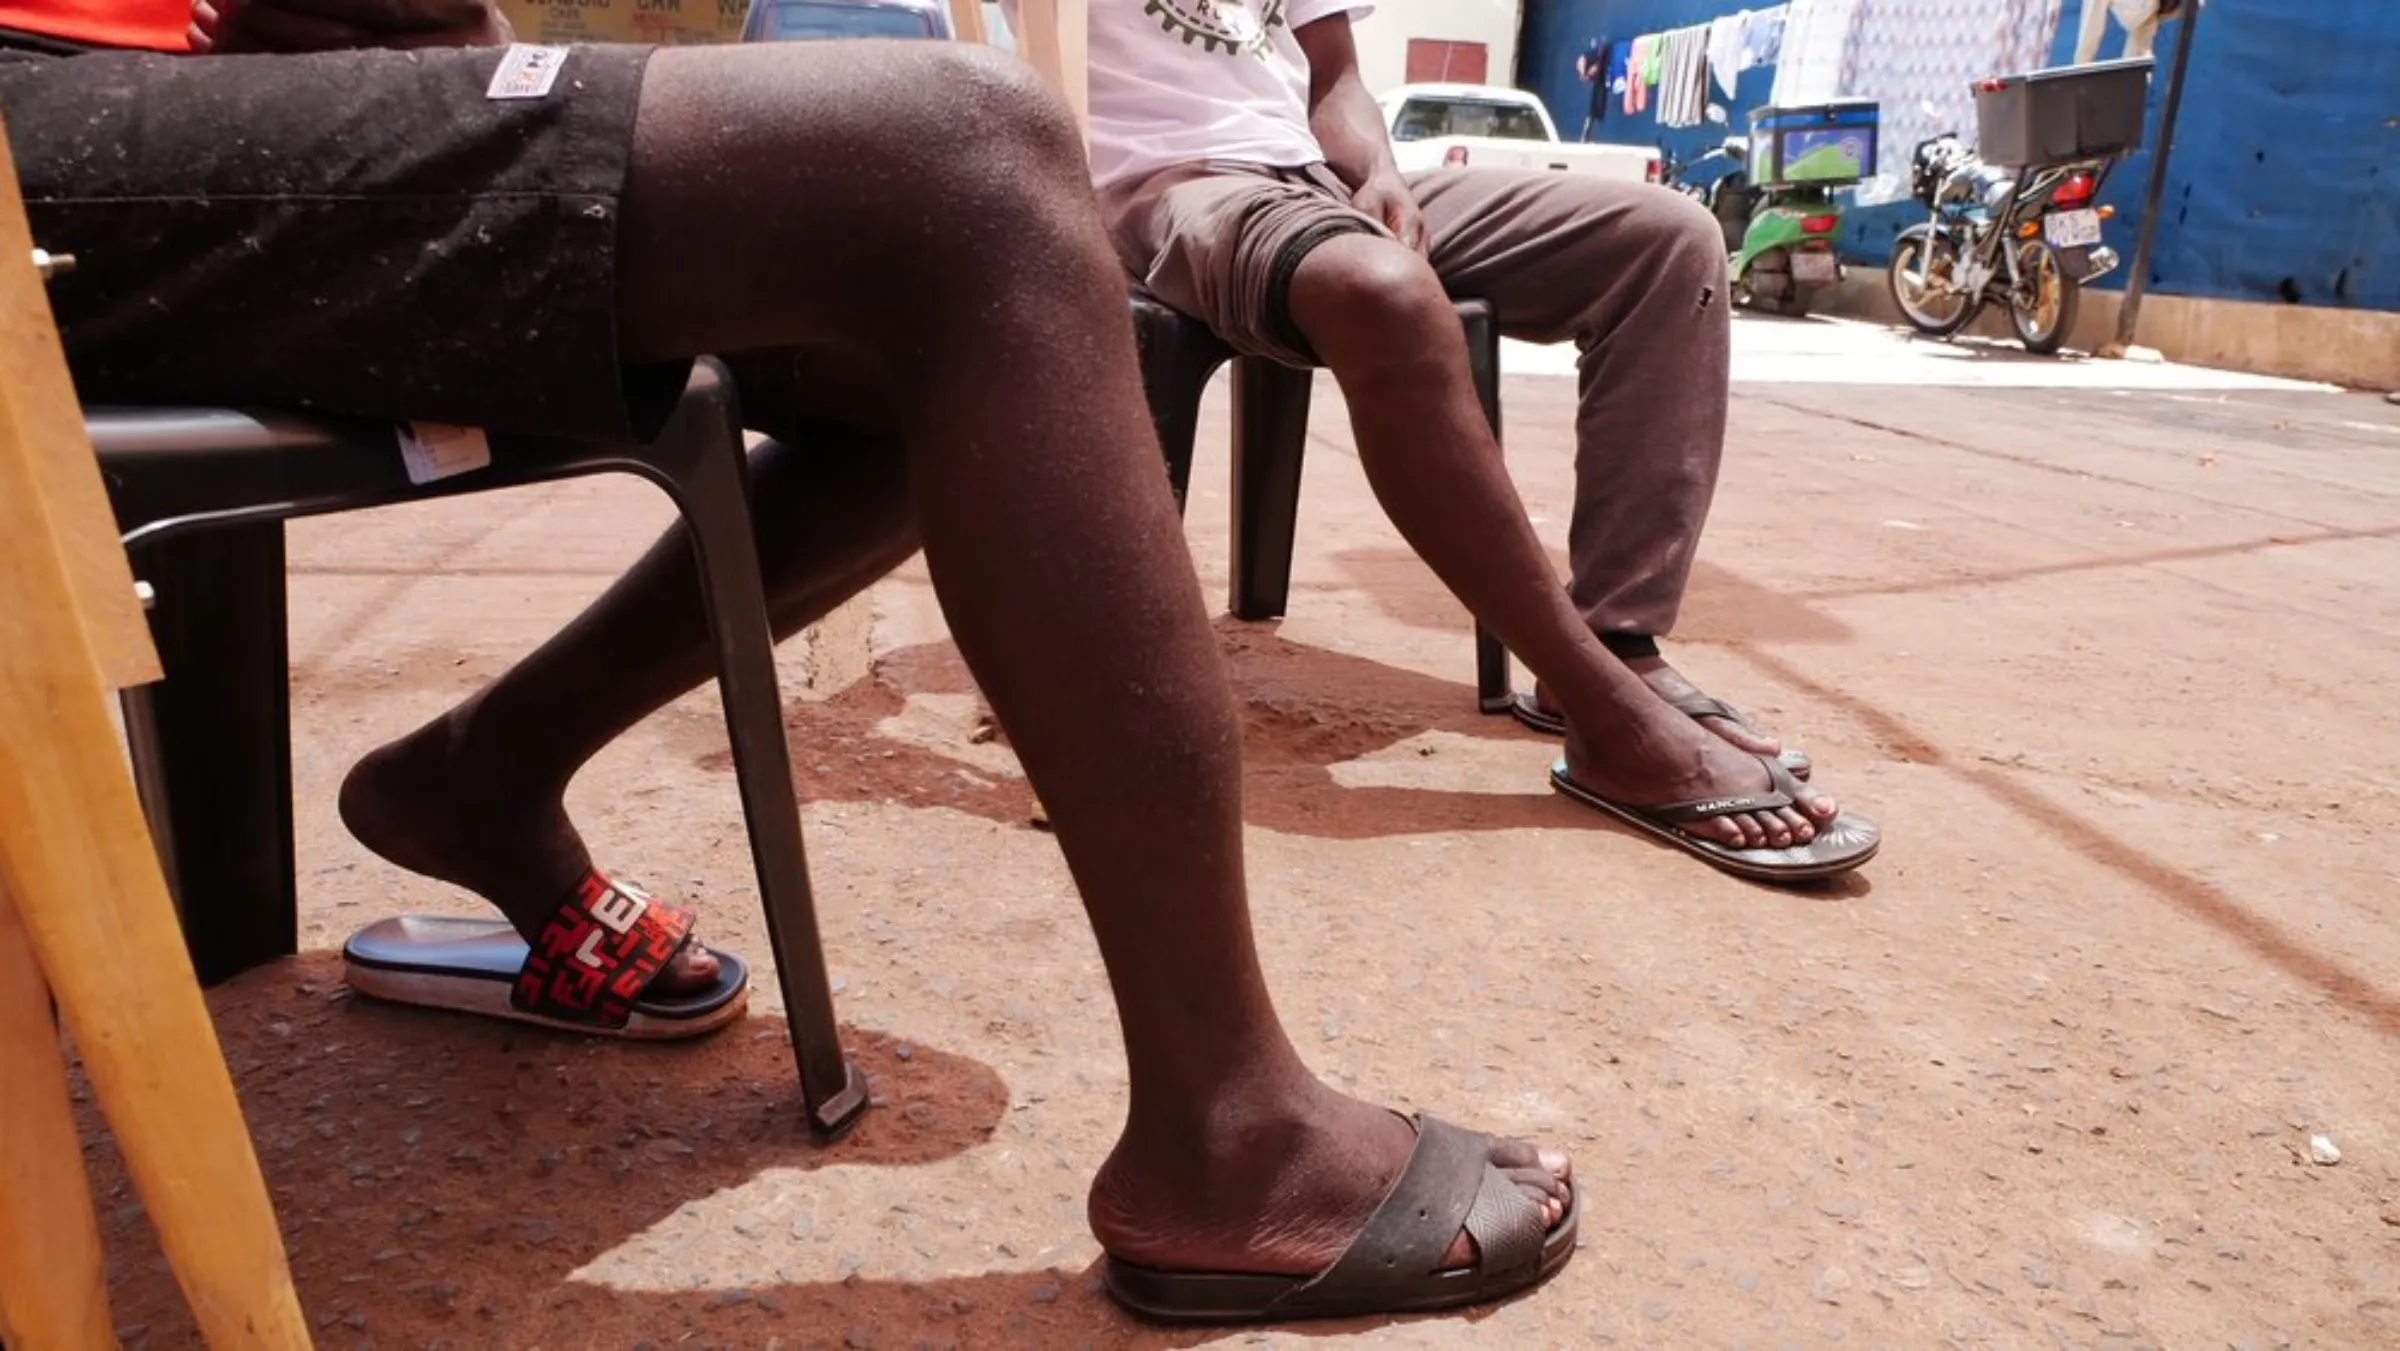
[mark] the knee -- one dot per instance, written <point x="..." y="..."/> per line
<point x="996" y="126"/>
<point x="1683" y="238"/>
<point x="1357" y="292"/>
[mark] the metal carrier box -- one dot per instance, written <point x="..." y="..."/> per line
<point x="2062" y="115"/>
<point x="1818" y="143"/>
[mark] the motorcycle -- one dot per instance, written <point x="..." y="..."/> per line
<point x="2029" y="241"/>
<point x="1779" y="239"/>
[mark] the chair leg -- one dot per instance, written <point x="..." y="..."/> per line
<point x="707" y="471"/>
<point x="1178" y="357"/>
<point x="1270" y="443"/>
<point x="212" y="744"/>
<point x="1494" y="690"/>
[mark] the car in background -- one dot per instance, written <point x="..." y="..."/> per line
<point x="828" y="20"/>
<point x="1451" y="125"/>
<point x="824" y="20"/>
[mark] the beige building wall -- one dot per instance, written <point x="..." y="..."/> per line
<point x="1383" y="38"/>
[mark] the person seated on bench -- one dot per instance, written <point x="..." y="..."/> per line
<point x="1248" y="181"/>
<point x="936" y="339"/>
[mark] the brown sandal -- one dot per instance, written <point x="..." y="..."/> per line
<point x="1450" y="1184"/>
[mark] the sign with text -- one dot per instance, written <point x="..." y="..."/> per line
<point x="667" y="23"/>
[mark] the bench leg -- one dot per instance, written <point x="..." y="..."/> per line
<point x="212" y="743"/>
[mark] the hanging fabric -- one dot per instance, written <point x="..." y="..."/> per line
<point x="1725" y="49"/>
<point x="1683" y="78"/>
<point x="1920" y="60"/>
<point x="1637" y="72"/>
<point x="2139" y="19"/>
<point x="1816" y="35"/>
<point x="1762" y="36"/>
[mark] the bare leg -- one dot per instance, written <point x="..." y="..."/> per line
<point x="1431" y="459"/>
<point x="847" y="212"/>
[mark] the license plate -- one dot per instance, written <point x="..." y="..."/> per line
<point x="1814" y="266"/>
<point x="2072" y="229"/>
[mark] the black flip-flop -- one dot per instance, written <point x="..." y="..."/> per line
<point x="591" y="973"/>
<point x="1528" y="710"/>
<point x="1840" y="845"/>
<point x="1393" y="1265"/>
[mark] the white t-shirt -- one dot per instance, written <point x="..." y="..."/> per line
<point x="1179" y="81"/>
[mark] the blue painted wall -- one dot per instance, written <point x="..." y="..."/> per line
<point x="2285" y="179"/>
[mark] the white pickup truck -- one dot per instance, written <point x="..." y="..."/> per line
<point x="1433" y="125"/>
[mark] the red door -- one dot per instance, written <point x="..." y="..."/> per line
<point x="1432" y="61"/>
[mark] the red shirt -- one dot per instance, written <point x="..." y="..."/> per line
<point x="157" y="25"/>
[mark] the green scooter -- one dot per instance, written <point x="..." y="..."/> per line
<point x="1776" y="200"/>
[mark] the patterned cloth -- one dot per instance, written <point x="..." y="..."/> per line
<point x="1683" y="81"/>
<point x="1816" y="36"/>
<point x="1920" y="59"/>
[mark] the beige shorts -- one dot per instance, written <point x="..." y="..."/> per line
<point x="1220" y="241"/>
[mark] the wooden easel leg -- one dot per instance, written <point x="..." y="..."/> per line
<point x="88" y="890"/>
<point x="53" y="1289"/>
<point x="73" y="851"/>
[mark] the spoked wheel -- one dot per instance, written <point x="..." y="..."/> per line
<point x="2043" y="306"/>
<point x="1923" y="278"/>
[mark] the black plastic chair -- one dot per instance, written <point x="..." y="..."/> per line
<point x="1270" y="440"/>
<point x="201" y="496"/>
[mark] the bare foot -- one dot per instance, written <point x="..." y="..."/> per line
<point x="1670" y="684"/>
<point x="1279" y="1188"/>
<point x="430" y="805"/>
<point x="1654" y="756"/>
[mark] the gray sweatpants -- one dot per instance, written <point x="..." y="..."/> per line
<point x="1633" y="274"/>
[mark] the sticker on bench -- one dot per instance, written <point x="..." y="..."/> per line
<point x="526" y="72"/>
<point x="437" y="450"/>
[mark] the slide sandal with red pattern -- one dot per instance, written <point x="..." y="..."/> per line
<point x="591" y="972"/>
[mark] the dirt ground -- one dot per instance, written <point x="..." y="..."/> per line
<point x="2107" y="651"/>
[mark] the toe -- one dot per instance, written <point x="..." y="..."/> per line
<point x="695" y="968"/>
<point x="1796" y="828"/>
<point x="1545" y="1176"/>
<point x="1817" y="806"/>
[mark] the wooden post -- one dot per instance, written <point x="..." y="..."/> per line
<point x="1055" y="37"/>
<point x="76" y="857"/>
<point x="966" y="21"/>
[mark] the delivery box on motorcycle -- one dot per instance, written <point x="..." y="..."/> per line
<point x="2062" y="115"/>
<point x="1826" y="144"/>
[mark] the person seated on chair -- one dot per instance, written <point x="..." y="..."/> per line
<point x="1248" y="181"/>
<point x="500" y="238"/>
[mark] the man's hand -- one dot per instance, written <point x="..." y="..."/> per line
<point x="1386" y="197"/>
<point x="342" y="25"/>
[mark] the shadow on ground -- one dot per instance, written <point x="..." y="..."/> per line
<point x="1304" y="710"/>
<point x="440" y="1179"/>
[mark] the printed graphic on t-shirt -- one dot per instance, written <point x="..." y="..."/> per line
<point x="1228" y="26"/>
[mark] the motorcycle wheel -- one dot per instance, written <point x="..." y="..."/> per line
<point x="1932" y="313"/>
<point x="2043" y="309"/>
